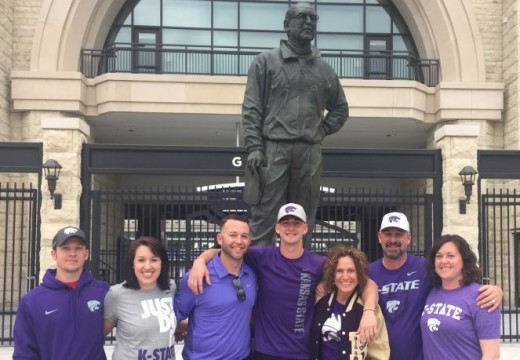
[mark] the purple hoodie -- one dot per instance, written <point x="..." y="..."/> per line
<point x="55" y="321"/>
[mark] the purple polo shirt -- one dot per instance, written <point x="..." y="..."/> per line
<point x="219" y="323"/>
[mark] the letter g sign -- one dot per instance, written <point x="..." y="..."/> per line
<point x="237" y="161"/>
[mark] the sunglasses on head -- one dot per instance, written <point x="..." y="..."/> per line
<point x="241" y="293"/>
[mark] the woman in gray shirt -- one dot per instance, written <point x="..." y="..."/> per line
<point x="141" y="307"/>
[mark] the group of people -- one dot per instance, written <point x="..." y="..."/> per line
<point x="259" y="302"/>
<point x="68" y="315"/>
<point x="428" y="308"/>
<point x="271" y="302"/>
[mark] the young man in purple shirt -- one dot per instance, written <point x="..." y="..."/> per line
<point x="404" y="285"/>
<point x="287" y="281"/>
<point x="219" y="319"/>
<point x="62" y="318"/>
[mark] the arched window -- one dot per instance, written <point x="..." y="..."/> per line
<point x="359" y="38"/>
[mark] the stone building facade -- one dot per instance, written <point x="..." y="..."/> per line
<point x="45" y="98"/>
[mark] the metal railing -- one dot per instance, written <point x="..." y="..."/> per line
<point x="186" y="221"/>
<point x="19" y="250"/>
<point x="180" y="59"/>
<point x="499" y="250"/>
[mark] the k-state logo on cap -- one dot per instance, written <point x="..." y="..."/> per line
<point x="290" y="209"/>
<point x="69" y="231"/>
<point x="394" y="219"/>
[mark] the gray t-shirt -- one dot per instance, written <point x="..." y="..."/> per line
<point x="145" y="322"/>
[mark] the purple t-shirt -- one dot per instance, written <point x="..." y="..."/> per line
<point x="402" y="295"/>
<point x="452" y="324"/>
<point x="285" y="300"/>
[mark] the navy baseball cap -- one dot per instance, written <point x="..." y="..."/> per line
<point x="66" y="233"/>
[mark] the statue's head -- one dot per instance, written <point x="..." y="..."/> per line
<point x="300" y="23"/>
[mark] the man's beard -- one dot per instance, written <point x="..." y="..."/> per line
<point x="394" y="254"/>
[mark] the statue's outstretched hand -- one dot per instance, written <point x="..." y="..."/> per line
<point x="255" y="159"/>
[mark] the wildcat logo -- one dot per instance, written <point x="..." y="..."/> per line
<point x="433" y="325"/>
<point x="290" y="209"/>
<point x="331" y="327"/>
<point x="394" y="219"/>
<point x="93" y="305"/>
<point x="70" y="230"/>
<point x="392" y="305"/>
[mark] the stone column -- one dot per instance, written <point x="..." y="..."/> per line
<point x="458" y="144"/>
<point x="63" y="138"/>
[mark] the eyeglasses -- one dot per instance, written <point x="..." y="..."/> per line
<point x="241" y="294"/>
<point x="303" y="17"/>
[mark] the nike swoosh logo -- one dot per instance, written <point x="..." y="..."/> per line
<point x="410" y="273"/>
<point x="47" y="312"/>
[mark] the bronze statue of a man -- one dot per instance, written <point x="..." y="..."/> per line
<point x="288" y="90"/>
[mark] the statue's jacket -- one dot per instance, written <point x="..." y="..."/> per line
<point x="286" y="98"/>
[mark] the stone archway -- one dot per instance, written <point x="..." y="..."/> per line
<point x="446" y="30"/>
<point x="442" y="29"/>
<point x="67" y="26"/>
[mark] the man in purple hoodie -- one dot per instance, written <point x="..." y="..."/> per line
<point x="62" y="318"/>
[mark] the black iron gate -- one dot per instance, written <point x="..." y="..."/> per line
<point x="19" y="228"/>
<point x="18" y="250"/>
<point x="499" y="231"/>
<point x="187" y="221"/>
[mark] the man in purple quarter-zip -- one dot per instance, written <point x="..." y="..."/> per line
<point x="293" y="100"/>
<point x="404" y="284"/>
<point x="62" y="318"/>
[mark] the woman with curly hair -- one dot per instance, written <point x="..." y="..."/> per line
<point x="453" y="326"/>
<point x="337" y="314"/>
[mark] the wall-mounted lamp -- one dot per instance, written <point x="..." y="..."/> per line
<point x="52" y="173"/>
<point x="467" y="176"/>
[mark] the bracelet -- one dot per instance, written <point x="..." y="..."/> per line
<point x="369" y="310"/>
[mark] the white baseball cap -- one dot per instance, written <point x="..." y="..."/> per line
<point x="292" y="209"/>
<point x="396" y="220"/>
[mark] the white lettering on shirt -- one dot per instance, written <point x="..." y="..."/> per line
<point x="301" y="305"/>
<point x="161" y="309"/>
<point x="443" y="309"/>
<point x="400" y="286"/>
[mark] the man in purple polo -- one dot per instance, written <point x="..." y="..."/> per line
<point x="404" y="285"/>
<point x="219" y="319"/>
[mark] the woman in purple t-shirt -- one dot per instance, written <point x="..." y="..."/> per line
<point x="452" y="325"/>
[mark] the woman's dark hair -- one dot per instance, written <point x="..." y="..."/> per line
<point x="470" y="271"/>
<point x="360" y="262"/>
<point x="157" y="249"/>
